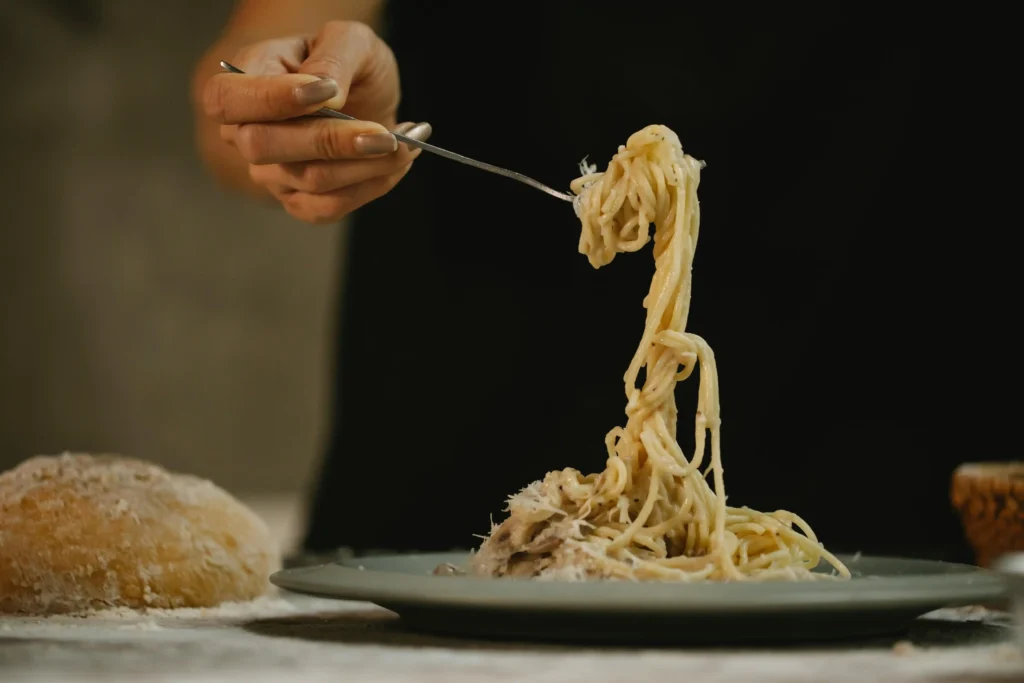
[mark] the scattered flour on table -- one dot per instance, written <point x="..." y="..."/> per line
<point x="151" y="619"/>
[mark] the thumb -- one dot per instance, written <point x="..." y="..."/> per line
<point x="345" y="52"/>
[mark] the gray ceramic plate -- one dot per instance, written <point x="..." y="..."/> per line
<point x="884" y="597"/>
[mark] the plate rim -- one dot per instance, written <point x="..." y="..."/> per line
<point x="344" y="580"/>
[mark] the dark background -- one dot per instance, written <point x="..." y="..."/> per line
<point x="854" y="275"/>
<point x="845" y="276"/>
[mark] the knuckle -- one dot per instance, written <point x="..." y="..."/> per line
<point x="325" y="64"/>
<point x="334" y="209"/>
<point x="318" y="212"/>
<point x="317" y="178"/>
<point x="295" y="210"/>
<point x="260" y="175"/>
<point x="252" y="58"/>
<point x="356" y="29"/>
<point x="394" y="179"/>
<point x="331" y="209"/>
<point x="381" y="187"/>
<point x="326" y="218"/>
<point x="214" y="98"/>
<point x="388" y="183"/>
<point x="331" y="142"/>
<point x="270" y="101"/>
<point x="251" y="140"/>
<point x="362" y="31"/>
<point x="336" y="26"/>
<point x="293" y="205"/>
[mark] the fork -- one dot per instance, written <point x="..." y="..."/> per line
<point x="412" y="142"/>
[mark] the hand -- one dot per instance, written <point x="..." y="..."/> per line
<point x="320" y="169"/>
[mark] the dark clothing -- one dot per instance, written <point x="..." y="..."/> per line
<point x="478" y="349"/>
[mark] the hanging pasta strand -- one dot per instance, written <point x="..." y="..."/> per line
<point x="651" y="514"/>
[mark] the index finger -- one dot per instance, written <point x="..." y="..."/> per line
<point x="231" y="98"/>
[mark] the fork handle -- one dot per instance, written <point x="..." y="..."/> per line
<point x="412" y="142"/>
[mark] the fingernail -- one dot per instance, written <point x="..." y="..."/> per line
<point x="421" y="132"/>
<point x="375" y="143"/>
<point x="404" y="128"/>
<point x="317" y="91"/>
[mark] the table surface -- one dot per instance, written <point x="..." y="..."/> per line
<point x="290" y="637"/>
<point x="287" y="637"/>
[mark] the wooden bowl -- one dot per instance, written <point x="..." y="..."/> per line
<point x="990" y="499"/>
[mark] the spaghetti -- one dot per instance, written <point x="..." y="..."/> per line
<point x="651" y="514"/>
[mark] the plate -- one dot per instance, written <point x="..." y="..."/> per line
<point x="1011" y="567"/>
<point x="884" y="597"/>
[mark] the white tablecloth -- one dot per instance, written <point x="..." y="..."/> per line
<point x="297" y="638"/>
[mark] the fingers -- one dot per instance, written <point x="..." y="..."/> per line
<point x="362" y="64"/>
<point x="272" y="57"/>
<point x="319" y="168"/>
<point x="312" y="139"/>
<point x="344" y="57"/>
<point x="332" y="206"/>
<point x="324" y="207"/>
<point x="231" y="98"/>
<point x="319" y="177"/>
<point x="404" y="128"/>
<point x="343" y="51"/>
<point x="417" y="131"/>
<point x="327" y="176"/>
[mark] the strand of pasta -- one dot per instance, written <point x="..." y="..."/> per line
<point x="652" y="513"/>
<point x="651" y="182"/>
